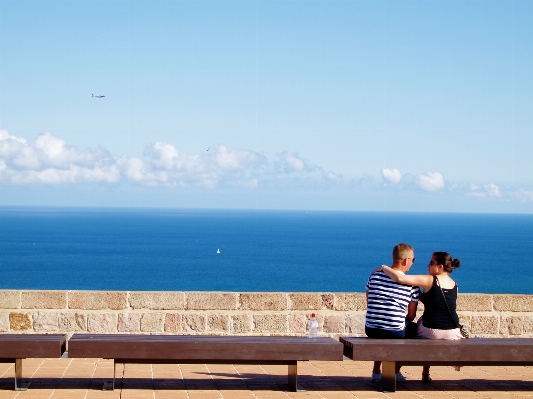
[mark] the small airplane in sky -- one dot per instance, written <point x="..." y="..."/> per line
<point x="98" y="95"/>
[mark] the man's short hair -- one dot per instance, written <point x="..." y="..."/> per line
<point x="400" y="252"/>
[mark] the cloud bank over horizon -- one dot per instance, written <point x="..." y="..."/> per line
<point x="49" y="160"/>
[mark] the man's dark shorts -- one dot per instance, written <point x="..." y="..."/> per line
<point x="384" y="334"/>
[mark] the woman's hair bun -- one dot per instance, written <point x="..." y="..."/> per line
<point x="456" y="263"/>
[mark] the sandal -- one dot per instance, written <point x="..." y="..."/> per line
<point x="426" y="378"/>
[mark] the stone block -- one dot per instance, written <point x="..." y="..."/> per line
<point x="212" y="300"/>
<point x="263" y="301"/>
<point x="20" y="321"/>
<point x="485" y="325"/>
<point x="355" y="324"/>
<point x="97" y="300"/>
<point x="528" y="324"/>
<point x="43" y="299"/>
<point x="4" y="322"/>
<point x="241" y="324"/>
<point x="355" y="301"/>
<point x="194" y="323"/>
<point x="129" y="322"/>
<point x="153" y="322"/>
<point x="474" y="302"/>
<point x="465" y="320"/>
<point x="218" y="322"/>
<point x="305" y="301"/>
<point x="9" y="299"/>
<point x="328" y="301"/>
<point x="173" y="322"/>
<point x="512" y="325"/>
<point x="513" y="303"/>
<point x="270" y="323"/>
<point x="157" y="300"/>
<point x="334" y="324"/>
<point x="72" y="322"/>
<point x="46" y="321"/>
<point x="102" y="322"/>
<point x="297" y="324"/>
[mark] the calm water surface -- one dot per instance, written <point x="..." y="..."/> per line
<point x="163" y="249"/>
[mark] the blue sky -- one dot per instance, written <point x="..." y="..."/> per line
<point x="341" y="105"/>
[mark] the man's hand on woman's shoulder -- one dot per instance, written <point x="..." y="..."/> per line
<point x="379" y="269"/>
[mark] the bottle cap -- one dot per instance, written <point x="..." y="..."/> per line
<point x="312" y="315"/>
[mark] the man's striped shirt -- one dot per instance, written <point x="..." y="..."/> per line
<point x="388" y="301"/>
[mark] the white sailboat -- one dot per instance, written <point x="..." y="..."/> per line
<point x="218" y="251"/>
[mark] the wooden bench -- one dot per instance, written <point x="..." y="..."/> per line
<point x="420" y="352"/>
<point x="15" y="347"/>
<point x="201" y="349"/>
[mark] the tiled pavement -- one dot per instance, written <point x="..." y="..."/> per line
<point x="84" y="379"/>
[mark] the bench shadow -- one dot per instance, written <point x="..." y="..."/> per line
<point x="262" y="382"/>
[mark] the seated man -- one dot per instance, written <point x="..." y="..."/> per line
<point x="387" y="302"/>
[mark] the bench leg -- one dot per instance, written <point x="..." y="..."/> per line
<point x="110" y="385"/>
<point x="293" y="377"/>
<point x="19" y="385"/>
<point x="388" y="376"/>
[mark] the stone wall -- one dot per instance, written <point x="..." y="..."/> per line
<point x="246" y="313"/>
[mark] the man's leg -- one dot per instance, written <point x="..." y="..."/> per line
<point x="377" y="368"/>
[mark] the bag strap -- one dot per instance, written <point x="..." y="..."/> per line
<point x="445" y="302"/>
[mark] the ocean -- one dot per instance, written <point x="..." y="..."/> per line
<point x="290" y="251"/>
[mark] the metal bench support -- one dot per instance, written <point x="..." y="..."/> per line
<point x="19" y="385"/>
<point x="388" y="376"/>
<point x="293" y="378"/>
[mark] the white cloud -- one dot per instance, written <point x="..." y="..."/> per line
<point x="4" y="135"/>
<point x="523" y="195"/>
<point x="333" y="177"/>
<point x="392" y="176"/>
<point x="291" y="162"/>
<point x="294" y="169"/>
<point x="235" y="160"/>
<point x="51" y="146"/>
<point x="49" y="160"/>
<point x="430" y="181"/>
<point x="488" y="190"/>
<point x="493" y="190"/>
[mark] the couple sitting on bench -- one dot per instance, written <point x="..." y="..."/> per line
<point x="391" y="293"/>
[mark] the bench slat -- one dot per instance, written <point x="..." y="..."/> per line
<point x="425" y="352"/>
<point x="208" y="349"/>
<point x="203" y="348"/>
<point x="23" y="346"/>
<point x="473" y="351"/>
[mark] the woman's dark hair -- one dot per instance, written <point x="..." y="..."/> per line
<point x="445" y="259"/>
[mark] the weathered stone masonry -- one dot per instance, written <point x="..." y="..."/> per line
<point x="248" y="313"/>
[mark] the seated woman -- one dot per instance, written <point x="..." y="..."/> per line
<point x="440" y="319"/>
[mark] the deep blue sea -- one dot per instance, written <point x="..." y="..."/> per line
<point x="176" y="250"/>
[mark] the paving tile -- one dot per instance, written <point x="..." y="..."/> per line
<point x="84" y="379"/>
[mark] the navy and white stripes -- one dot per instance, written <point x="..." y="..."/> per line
<point x="388" y="301"/>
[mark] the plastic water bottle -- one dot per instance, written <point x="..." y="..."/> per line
<point x="313" y="327"/>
